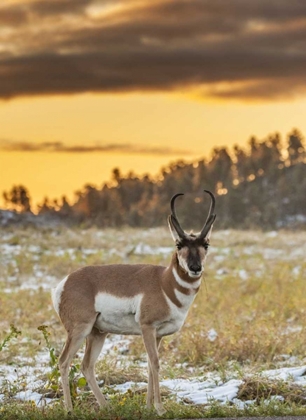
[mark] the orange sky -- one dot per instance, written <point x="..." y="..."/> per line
<point x="137" y="84"/>
<point x="187" y="128"/>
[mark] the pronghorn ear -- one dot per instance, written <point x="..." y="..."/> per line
<point x="172" y="230"/>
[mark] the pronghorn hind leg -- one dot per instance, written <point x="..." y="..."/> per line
<point x="75" y="338"/>
<point x="149" y="338"/>
<point x="150" y="394"/>
<point x="94" y="344"/>
<point x="72" y="345"/>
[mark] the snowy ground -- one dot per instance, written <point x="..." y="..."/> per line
<point x="197" y="390"/>
<point x="29" y="378"/>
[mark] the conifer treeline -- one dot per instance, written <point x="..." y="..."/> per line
<point x="263" y="185"/>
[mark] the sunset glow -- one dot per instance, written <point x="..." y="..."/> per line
<point x="86" y="86"/>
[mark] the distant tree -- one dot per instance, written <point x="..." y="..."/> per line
<point x="296" y="149"/>
<point x="90" y="200"/>
<point x="45" y="206"/>
<point x="254" y="159"/>
<point x="116" y="175"/>
<point x="177" y="176"/>
<point x="254" y="187"/>
<point x="275" y="155"/>
<point x="200" y="177"/>
<point x="220" y="167"/>
<point x="65" y="208"/>
<point x="18" y="198"/>
<point x="242" y="163"/>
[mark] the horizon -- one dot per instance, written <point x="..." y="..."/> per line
<point x="126" y="168"/>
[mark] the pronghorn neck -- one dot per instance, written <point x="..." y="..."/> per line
<point x="178" y="286"/>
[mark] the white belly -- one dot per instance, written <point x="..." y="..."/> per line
<point x="121" y="315"/>
<point x="118" y="315"/>
<point x="169" y="327"/>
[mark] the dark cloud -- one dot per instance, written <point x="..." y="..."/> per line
<point x="26" y="146"/>
<point x="13" y="17"/>
<point x="58" y="7"/>
<point x="232" y="49"/>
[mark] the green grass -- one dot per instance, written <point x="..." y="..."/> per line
<point x="131" y="407"/>
<point x="254" y="297"/>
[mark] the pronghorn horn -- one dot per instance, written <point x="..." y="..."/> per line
<point x="174" y="219"/>
<point x="211" y="216"/>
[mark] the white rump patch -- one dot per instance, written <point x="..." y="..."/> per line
<point x="57" y="293"/>
<point x="184" y="283"/>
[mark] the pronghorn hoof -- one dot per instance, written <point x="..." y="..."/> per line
<point x="103" y="404"/>
<point x="160" y="409"/>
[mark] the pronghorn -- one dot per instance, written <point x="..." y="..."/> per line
<point x="138" y="299"/>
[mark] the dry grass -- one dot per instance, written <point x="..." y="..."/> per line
<point x="260" y="389"/>
<point x="254" y="297"/>
<point x="254" y="294"/>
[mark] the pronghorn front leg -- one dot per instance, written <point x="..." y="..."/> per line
<point x="150" y="393"/>
<point x="150" y="342"/>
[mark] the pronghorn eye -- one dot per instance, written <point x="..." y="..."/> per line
<point x="178" y="245"/>
<point x="206" y="245"/>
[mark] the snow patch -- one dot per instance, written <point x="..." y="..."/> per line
<point x="212" y="334"/>
<point x="143" y="249"/>
<point x="285" y="374"/>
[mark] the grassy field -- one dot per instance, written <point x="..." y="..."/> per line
<point x="248" y="319"/>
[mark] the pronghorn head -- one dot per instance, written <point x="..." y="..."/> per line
<point x="192" y="248"/>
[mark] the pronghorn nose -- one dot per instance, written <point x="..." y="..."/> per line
<point x="195" y="268"/>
